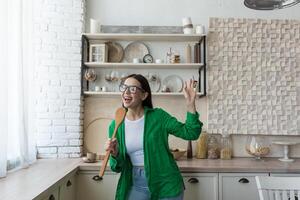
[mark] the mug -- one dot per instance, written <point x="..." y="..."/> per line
<point x="199" y="29"/>
<point x="136" y="60"/>
<point x="91" y="156"/>
<point x="159" y="61"/>
<point x="103" y="89"/>
<point x="97" y="88"/>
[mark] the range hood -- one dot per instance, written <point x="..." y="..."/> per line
<point x="269" y="4"/>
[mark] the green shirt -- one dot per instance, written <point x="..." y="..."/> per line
<point x="163" y="175"/>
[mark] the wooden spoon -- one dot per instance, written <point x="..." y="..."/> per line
<point x="119" y="117"/>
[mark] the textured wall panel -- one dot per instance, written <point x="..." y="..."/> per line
<point x="254" y="76"/>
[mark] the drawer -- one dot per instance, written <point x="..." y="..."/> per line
<point x="200" y="186"/>
<point x="235" y="186"/>
<point x="90" y="189"/>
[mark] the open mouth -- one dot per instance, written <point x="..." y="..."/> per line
<point x="127" y="99"/>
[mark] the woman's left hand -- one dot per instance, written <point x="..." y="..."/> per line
<point x="190" y="95"/>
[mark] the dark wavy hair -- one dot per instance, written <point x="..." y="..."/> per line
<point x="145" y="85"/>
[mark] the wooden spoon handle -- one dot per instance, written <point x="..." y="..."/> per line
<point x="105" y="160"/>
<point x="104" y="164"/>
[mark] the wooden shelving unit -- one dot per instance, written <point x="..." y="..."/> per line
<point x="105" y="37"/>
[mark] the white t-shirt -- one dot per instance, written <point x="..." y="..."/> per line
<point x="134" y="133"/>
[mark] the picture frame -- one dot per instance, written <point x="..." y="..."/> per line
<point x="98" y="53"/>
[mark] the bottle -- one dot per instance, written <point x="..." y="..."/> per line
<point x="212" y="148"/>
<point x="202" y="146"/>
<point x="169" y="56"/>
<point x="189" y="150"/>
<point x="188" y="54"/>
<point x="226" y="147"/>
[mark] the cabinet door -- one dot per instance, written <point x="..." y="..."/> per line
<point x="67" y="189"/>
<point x="200" y="186"/>
<point x="53" y="195"/>
<point x="235" y="186"/>
<point x="88" y="188"/>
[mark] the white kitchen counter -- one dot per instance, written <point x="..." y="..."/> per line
<point x="31" y="182"/>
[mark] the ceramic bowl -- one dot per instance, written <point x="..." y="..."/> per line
<point x="177" y="153"/>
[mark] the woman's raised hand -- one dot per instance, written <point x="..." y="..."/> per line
<point x="112" y="146"/>
<point x="190" y="95"/>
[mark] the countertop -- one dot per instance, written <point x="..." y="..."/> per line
<point x="233" y="165"/>
<point x="31" y="182"/>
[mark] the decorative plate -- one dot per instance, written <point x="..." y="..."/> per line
<point x="135" y="50"/>
<point x="115" y="52"/>
<point x="95" y="135"/>
<point x="172" y="83"/>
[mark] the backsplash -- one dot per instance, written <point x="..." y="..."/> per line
<point x="254" y="76"/>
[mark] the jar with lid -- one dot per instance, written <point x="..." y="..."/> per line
<point x="212" y="148"/>
<point x="201" y="152"/>
<point x="226" y="147"/>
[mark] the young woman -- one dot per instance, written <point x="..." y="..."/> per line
<point x="141" y="151"/>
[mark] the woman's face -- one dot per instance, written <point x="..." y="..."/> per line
<point x="134" y="95"/>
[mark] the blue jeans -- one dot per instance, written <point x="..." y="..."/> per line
<point x="140" y="190"/>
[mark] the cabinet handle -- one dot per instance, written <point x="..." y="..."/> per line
<point x="97" y="178"/>
<point x="69" y="183"/>
<point x="52" y="197"/>
<point x="193" y="180"/>
<point x="244" y="180"/>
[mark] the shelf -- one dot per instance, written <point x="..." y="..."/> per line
<point x="111" y="94"/>
<point x="145" y="37"/>
<point x="145" y="65"/>
<point x="171" y="38"/>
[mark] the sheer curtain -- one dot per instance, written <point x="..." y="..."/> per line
<point x="17" y="146"/>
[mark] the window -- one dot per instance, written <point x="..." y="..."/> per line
<point x="17" y="147"/>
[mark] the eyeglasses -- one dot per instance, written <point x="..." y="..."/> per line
<point x="132" y="88"/>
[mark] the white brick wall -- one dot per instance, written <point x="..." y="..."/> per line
<point x="58" y="28"/>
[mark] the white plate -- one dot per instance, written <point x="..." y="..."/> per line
<point x="135" y="50"/>
<point x="173" y="82"/>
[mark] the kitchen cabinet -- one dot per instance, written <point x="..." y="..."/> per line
<point x="64" y="189"/>
<point x="200" y="186"/>
<point x="68" y="189"/>
<point x="51" y="194"/>
<point x="200" y="68"/>
<point x="92" y="189"/>
<point x="234" y="186"/>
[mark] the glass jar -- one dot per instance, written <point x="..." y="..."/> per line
<point x="212" y="148"/>
<point x="257" y="146"/>
<point x="226" y="147"/>
<point x="201" y="152"/>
